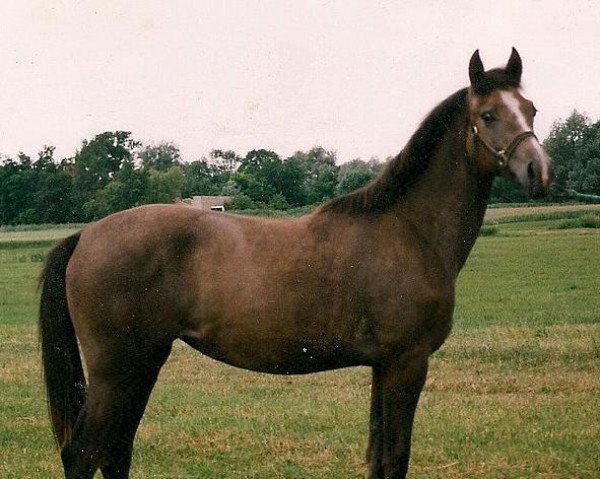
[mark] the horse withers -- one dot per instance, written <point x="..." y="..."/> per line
<point x="367" y="279"/>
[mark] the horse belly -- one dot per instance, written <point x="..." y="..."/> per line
<point x="273" y="352"/>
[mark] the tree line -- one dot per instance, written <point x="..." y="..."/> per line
<point x="113" y="172"/>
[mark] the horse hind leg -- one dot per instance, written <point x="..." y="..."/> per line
<point x="134" y="398"/>
<point x="117" y="396"/>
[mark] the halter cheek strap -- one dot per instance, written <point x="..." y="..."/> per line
<point x="503" y="156"/>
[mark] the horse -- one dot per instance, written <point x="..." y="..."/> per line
<point x="366" y="279"/>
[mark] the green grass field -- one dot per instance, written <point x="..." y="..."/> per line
<point x="514" y="392"/>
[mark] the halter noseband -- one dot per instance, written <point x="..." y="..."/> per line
<point x="502" y="156"/>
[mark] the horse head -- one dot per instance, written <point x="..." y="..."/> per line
<point x="500" y="136"/>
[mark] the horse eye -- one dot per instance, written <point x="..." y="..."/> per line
<point x="487" y="117"/>
<point x="535" y="110"/>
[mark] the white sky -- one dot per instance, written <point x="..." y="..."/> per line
<point x="354" y="76"/>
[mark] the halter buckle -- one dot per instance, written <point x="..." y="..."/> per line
<point x="503" y="156"/>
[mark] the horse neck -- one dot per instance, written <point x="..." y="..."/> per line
<point x="448" y="202"/>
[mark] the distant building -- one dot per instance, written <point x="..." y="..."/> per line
<point x="214" y="203"/>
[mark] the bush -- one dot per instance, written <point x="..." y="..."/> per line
<point x="241" y="201"/>
<point x="278" y="202"/>
<point x="590" y="221"/>
<point x="584" y="221"/>
<point x="488" y="231"/>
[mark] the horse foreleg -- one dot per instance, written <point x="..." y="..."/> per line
<point x="401" y="384"/>
<point x="375" y="447"/>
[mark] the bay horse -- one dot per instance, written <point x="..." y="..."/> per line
<point x="367" y="279"/>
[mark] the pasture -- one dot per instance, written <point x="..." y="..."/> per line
<point x="514" y="392"/>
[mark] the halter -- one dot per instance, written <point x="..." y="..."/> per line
<point x="502" y="156"/>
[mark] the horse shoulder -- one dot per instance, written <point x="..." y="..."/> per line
<point x="411" y="294"/>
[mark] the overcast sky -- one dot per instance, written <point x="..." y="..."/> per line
<point x="353" y="76"/>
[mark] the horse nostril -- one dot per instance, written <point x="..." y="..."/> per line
<point x="548" y="178"/>
<point x="531" y="173"/>
<point x="534" y="181"/>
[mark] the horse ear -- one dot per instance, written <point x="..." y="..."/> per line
<point x="514" y="67"/>
<point x="476" y="71"/>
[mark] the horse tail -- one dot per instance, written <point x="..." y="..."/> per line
<point x="61" y="361"/>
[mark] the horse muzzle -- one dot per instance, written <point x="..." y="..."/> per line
<point x="532" y="168"/>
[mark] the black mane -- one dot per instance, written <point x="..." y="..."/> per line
<point x="401" y="172"/>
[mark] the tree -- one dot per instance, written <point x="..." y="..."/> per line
<point x="320" y="173"/>
<point x="165" y="186"/>
<point x="585" y="177"/>
<point x="45" y="161"/>
<point x="19" y="186"/>
<point x="357" y="173"/>
<point x="574" y="146"/>
<point x="290" y="185"/>
<point x="210" y="176"/>
<point x="126" y="190"/>
<point x="8" y="169"/>
<point x="225" y="160"/>
<point x="256" y="188"/>
<point x="260" y="163"/>
<point x="95" y="165"/>
<point x="223" y="163"/>
<point x="259" y="175"/>
<point x="199" y="179"/>
<point x="563" y="142"/>
<point x="53" y="201"/>
<point x="160" y="157"/>
<point x="506" y="191"/>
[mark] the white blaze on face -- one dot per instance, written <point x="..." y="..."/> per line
<point x="513" y="104"/>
